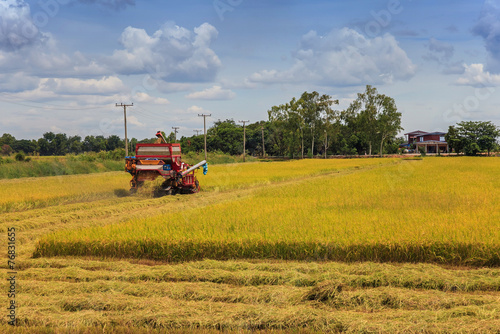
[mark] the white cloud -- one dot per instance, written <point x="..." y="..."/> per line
<point x="16" y="26"/>
<point x="213" y="93"/>
<point x="172" y="53"/>
<point x="15" y="82"/>
<point x="344" y="57"/>
<point x="44" y="59"/>
<point x="197" y="109"/>
<point x="476" y="76"/>
<point x="72" y="86"/>
<point x="133" y="120"/>
<point x="146" y="98"/>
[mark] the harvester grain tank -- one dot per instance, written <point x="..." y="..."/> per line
<point x="163" y="159"/>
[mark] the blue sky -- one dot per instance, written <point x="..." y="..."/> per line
<point x="65" y="63"/>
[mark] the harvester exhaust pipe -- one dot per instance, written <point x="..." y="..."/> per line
<point x="192" y="168"/>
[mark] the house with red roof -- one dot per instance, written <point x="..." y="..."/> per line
<point x="429" y="142"/>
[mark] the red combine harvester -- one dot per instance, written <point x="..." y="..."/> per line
<point x="163" y="159"/>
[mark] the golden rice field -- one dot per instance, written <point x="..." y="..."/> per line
<point x="312" y="246"/>
<point x="18" y="194"/>
<point x="439" y="210"/>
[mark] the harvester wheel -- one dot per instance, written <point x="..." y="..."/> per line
<point x="196" y="187"/>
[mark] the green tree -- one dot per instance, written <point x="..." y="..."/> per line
<point x="113" y="142"/>
<point x="24" y="145"/>
<point x="475" y="136"/>
<point x="60" y="144"/>
<point x="453" y="139"/>
<point x="309" y="116"/>
<point x="315" y="110"/>
<point x="225" y="136"/>
<point x="6" y="149"/>
<point x="7" y="139"/>
<point x="287" y="122"/>
<point x="375" y="116"/>
<point x="75" y="144"/>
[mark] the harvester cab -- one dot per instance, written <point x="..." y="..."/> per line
<point x="163" y="159"/>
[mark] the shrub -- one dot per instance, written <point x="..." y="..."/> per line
<point x="421" y="150"/>
<point x="20" y="156"/>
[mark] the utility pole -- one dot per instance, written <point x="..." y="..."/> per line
<point x="175" y="132"/>
<point x="263" y="144"/>
<point x="197" y="132"/>
<point x="326" y="142"/>
<point x="302" y="136"/>
<point x="244" y="138"/>
<point x="205" y="130"/>
<point x="125" y="119"/>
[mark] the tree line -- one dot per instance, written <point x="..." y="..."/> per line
<point x="303" y="127"/>
<point x="309" y="126"/>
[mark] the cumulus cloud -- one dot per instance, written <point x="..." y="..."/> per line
<point x="135" y="121"/>
<point x="16" y="26"/>
<point x="439" y="51"/>
<point x="72" y="86"/>
<point x="488" y="27"/>
<point x="196" y="110"/>
<point x="476" y="76"/>
<point x="344" y="57"/>
<point x="16" y="82"/>
<point x="44" y="59"/>
<point x="146" y="98"/>
<point x="213" y="93"/>
<point x="172" y="53"/>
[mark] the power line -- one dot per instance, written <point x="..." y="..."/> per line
<point x="197" y="132"/>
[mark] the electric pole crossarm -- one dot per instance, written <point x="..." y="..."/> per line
<point x="175" y="133"/>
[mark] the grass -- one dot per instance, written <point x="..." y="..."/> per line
<point x="62" y="165"/>
<point x="435" y="210"/>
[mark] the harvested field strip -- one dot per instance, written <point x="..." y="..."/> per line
<point x="236" y="295"/>
<point x="394" y="213"/>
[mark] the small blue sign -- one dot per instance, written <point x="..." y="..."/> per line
<point x="167" y="167"/>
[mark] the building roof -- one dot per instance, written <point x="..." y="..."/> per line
<point x="432" y="133"/>
<point x="418" y="132"/>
